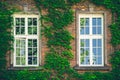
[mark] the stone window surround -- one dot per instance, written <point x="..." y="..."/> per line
<point x="105" y="67"/>
<point x="11" y="67"/>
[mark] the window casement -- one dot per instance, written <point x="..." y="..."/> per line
<point x="26" y="44"/>
<point x="91" y="42"/>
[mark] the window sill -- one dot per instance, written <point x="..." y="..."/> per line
<point x="25" y="68"/>
<point x="93" y="68"/>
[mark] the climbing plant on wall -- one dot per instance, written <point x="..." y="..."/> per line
<point x="57" y="66"/>
<point x="5" y="33"/>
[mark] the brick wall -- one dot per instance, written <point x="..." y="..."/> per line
<point x="28" y="7"/>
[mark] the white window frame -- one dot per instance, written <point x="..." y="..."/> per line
<point x="90" y="36"/>
<point x="26" y="37"/>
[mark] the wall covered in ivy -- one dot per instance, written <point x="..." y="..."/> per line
<point x="59" y="16"/>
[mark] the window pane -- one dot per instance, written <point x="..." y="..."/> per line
<point x="30" y="60"/>
<point x="87" y="30"/>
<point x="29" y="30"/>
<point x="17" y="30"/>
<point x="30" y="43"/>
<point x="94" y="30"/>
<point x="99" y="43"/>
<point x="20" y="51"/>
<point x="17" y="60"/>
<point x="35" y="21"/>
<point x="22" y="22"/>
<point x="84" y="26"/>
<point x="82" y="22"/>
<point x="17" y="21"/>
<point x="17" y="43"/>
<point x="34" y="60"/>
<point x="94" y="51"/>
<point x="96" y="26"/>
<point x="87" y="43"/>
<point x="99" y="52"/>
<point x="34" y="42"/>
<point x="99" y="60"/>
<point x="98" y="21"/>
<point x="29" y="51"/>
<point x="82" y="30"/>
<point x="94" y="41"/>
<point x="17" y="51"/>
<point x="87" y="22"/>
<point x="32" y="51"/>
<point x="32" y="26"/>
<point x="34" y="30"/>
<point x="99" y="30"/>
<point x="22" y="30"/>
<point x="20" y="26"/>
<point x="94" y="21"/>
<point x="29" y="21"/>
<point x="84" y="52"/>
<point x="23" y="61"/>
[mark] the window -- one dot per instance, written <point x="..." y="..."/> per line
<point x="26" y="44"/>
<point x="91" y="40"/>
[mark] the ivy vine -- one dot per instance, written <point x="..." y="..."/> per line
<point x="57" y="65"/>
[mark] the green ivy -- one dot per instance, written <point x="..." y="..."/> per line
<point x="6" y="37"/>
<point x="57" y="65"/>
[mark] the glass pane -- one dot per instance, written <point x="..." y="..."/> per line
<point x="23" y="60"/>
<point x="87" y="52"/>
<point x="17" y="30"/>
<point x="82" y="22"/>
<point x="99" y="60"/>
<point x="22" y="21"/>
<point x="17" y="60"/>
<point x="22" y="30"/>
<point x="35" y="21"/>
<point x="34" y="30"/>
<point x="29" y="60"/>
<point x="94" y="21"/>
<point x="34" y="60"/>
<point x="94" y="60"/>
<point x="87" y="30"/>
<point x="99" y="30"/>
<point x="17" y="21"/>
<point x="87" y="60"/>
<point x="29" y="30"/>
<point x="17" y="43"/>
<point x="99" y="51"/>
<point x="29" y="42"/>
<point x="29" y="51"/>
<point x="99" y="43"/>
<point x="34" y="51"/>
<point x="98" y="21"/>
<point x="94" y="51"/>
<point x="29" y="21"/>
<point x="22" y="43"/>
<point x="87" y="22"/>
<point x="87" y="43"/>
<point x="94" y="30"/>
<point x="22" y="52"/>
<point x="17" y="51"/>
<point x="34" y="42"/>
<point x="82" y="43"/>
<point x="94" y="42"/>
<point x="82" y="30"/>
